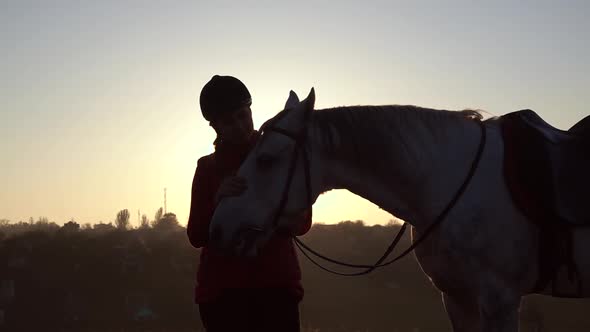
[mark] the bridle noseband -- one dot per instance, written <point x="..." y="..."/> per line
<point x="300" y="141"/>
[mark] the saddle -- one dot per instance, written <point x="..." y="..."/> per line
<point x="550" y="164"/>
<point x="546" y="170"/>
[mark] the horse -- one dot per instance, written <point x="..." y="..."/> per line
<point x="410" y="161"/>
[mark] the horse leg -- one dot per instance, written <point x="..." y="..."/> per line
<point x="463" y="313"/>
<point x="498" y="311"/>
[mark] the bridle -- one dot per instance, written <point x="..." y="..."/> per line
<point x="300" y="143"/>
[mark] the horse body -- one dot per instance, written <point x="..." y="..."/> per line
<point x="483" y="257"/>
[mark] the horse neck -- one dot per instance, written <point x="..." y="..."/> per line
<point x="422" y="160"/>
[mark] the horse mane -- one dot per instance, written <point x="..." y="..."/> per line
<point x="360" y="134"/>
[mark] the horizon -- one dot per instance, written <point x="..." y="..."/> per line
<point x="133" y="226"/>
<point x="100" y="101"/>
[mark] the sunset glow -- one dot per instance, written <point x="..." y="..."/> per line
<point x="99" y="102"/>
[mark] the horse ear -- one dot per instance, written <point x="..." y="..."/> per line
<point x="292" y="101"/>
<point x="310" y="100"/>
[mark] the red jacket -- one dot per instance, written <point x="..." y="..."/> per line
<point x="275" y="266"/>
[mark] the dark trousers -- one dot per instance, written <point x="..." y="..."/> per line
<point x="252" y="310"/>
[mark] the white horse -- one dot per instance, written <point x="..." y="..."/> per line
<point x="410" y="161"/>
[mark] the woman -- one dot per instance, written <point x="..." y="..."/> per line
<point x="238" y="294"/>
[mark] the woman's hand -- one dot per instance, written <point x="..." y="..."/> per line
<point x="231" y="186"/>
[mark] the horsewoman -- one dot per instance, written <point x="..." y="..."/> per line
<point x="261" y="293"/>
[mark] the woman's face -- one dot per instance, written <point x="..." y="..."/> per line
<point x="234" y="127"/>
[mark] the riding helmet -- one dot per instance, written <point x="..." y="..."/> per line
<point x="223" y="94"/>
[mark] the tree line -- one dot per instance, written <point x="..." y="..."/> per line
<point x="105" y="277"/>
<point x="122" y="221"/>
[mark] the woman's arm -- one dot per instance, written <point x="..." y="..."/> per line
<point x="202" y="206"/>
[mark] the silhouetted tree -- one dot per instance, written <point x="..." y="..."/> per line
<point x="103" y="228"/>
<point x="145" y="223"/>
<point x="71" y="226"/>
<point x="358" y="224"/>
<point x="157" y="217"/>
<point x="168" y="221"/>
<point x="122" y="221"/>
<point x="44" y="225"/>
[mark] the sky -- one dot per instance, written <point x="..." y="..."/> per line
<point x="99" y="99"/>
